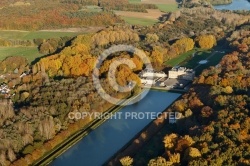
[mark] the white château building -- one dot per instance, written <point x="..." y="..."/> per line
<point x="149" y="77"/>
<point x="181" y="73"/>
<point x="152" y="73"/>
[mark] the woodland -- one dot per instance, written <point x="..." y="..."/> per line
<point x="215" y="128"/>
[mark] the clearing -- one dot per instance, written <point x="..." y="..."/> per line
<point x="31" y="53"/>
<point x="139" y="21"/>
<point x="139" y="18"/>
<point x="46" y="34"/>
<point x="153" y="14"/>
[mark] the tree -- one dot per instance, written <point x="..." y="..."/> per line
<point x="170" y="140"/>
<point x="159" y="161"/>
<point x="192" y="153"/>
<point x="152" y="38"/>
<point x="206" y="41"/>
<point x="126" y="161"/>
<point x="184" y="45"/>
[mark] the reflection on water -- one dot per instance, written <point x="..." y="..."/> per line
<point x="235" y="5"/>
<point x="97" y="147"/>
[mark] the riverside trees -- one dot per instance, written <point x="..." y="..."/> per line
<point x="215" y="125"/>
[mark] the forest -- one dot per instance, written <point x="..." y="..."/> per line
<point x="215" y="130"/>
<point x="37" y="104"/>
<point x="45" y="14"/>
<point x="215" y="126"/>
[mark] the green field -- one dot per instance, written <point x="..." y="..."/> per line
<point x="24" y="35"/>
<point x="213" y="61"/>
<point x="31" y="53"/>
<point x="192" y="62"/>
<point x="139" y="21"/>
<point x="167" y="7"/>
<point x="176" y="61"/>
<point x="187" y="60"/>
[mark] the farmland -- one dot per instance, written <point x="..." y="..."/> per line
<point x="152" y="15"/>
<point x="31" y="53"/>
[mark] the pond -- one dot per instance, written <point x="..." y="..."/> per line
<point x="235" y="5"/>
<point x="103" y="142"/>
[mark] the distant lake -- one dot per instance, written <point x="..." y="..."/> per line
<point x="235" y="5"/>
<point x="103" y="142"/>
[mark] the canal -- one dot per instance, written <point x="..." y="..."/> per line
<point x="102" y="143"/>
<point x="235" y="5"/>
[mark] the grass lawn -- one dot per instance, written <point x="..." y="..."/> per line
<point x="213" y="61"/>
<point x="175" y="61"/>
<point x="167" y="7"/>
<point x="31" y="53"/>
<point x="139" y="21"/>
<point x="187" y="60"/>
<point x="24" y="35"/>
<point x="192" y="62"/>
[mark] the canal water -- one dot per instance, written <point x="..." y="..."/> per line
<point x="235" y="5"/>
<point x="102" y="143"/>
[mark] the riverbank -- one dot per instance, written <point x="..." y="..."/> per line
<point x="112" y="135"/>
<point x="75" y="138"/>
<point x="140" y="139"/>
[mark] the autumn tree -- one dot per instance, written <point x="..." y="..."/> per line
<point x="206" y="41"/>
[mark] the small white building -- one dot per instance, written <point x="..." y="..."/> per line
<point x="181" y="73"/>
<point x="152" y="73"/>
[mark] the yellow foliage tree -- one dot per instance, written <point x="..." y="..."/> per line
<point x="156" y="58"/>
<point x="206" y="41"/>
<point x="126" y="161"/>
<point x="185" y="44"/>
<point x="170" y="140"/>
